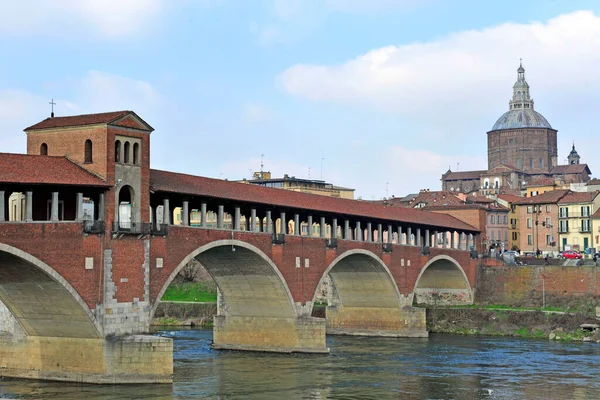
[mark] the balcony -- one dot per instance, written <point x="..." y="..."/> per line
<point x="94" y="227"/>
<point x="586" y="229"/>
<point x="575" y="215"/>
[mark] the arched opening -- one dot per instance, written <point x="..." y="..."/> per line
<point x="40" y="301"/>
<point x="88" y="151"/>
<point x="136" y="154"/>
<point x="126" y="149"/>
<point x="118" y="151"/>
<point x="44" y="149"/>
<point x="442" y="282"/>
<point x="126" y="204"/>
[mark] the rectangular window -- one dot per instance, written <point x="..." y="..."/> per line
<point x="548" y="222"/>
<point x="529" y="223"/>
<point x="506" y="219"/>
<point x="548" y="208"/>
<point x="529" y="239"/>
<point x="548" y="239"/>
<point x="585" y="211"/>
<point x="514" y="236"/>
<point x="492" y="219"/>
<point x="529" y="209"/>
<point x="564" y="212"/>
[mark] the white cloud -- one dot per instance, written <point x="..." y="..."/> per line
<point x="102" y="18"/>
<point x="464" y="78"/>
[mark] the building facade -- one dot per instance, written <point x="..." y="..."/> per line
<point x="575" y="220"/>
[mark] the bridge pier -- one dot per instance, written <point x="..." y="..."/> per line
<point x="130" y="359"/>
<point x="269" y="334"/>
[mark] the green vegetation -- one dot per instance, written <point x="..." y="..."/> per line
<point x="190" y="291"/>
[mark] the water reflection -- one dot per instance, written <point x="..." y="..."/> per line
<point x="441" y="367"/>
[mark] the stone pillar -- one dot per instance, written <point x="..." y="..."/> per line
<point x="419" y="241"/>
<point x="322" y="227"/>
<point x="399" y="235"/>
<point x="435" y="239"/>
<point x="452" y="241"/>
<point x="203" y="215"/>
<point x="101" y="207"/>
<point x="427" y="237"/>
<point x="359" y="232"/>
<point x="380" y="233"/>
<point x="334" y="228"/>
<point x="460" y="240"/>
<point x="2" y="210"/>
<point x="236" y="218"/>
<point x="185" y="221"/>
<point x="310" y="225"/>
<point x="347" y="234"/>
<point x="445" y="240"/>
<point x="469" y="238"/>
<point x="283" y="226"/>
<point x="79" y="206"/>
<point x="369" y="232"/>
<point x="54" y="207"/>
<point x="28" y="206"/>
<point x="269" y="222"/>
<point x="253" y="219"/>
<point x="166" y="212"/>
<point x="220" y="216"/>
<point x="297" y="224"/>
<point x="409" y="240"/>
<point x="390" y="234"/>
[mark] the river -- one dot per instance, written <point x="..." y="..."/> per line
<point x="441" y="367"/>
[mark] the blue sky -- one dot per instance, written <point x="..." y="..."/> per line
<point x="388" y="92"/>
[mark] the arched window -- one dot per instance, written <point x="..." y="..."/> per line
<point x="136" y="153"/>
<point x="541" y="163"/>
<point x="486" y="183"/>
<point x="44" y="149"/>
<point x="118" y="151"/>
<point x="126" y="153"/>
<point x="531" y="163"/>
<point x="496" y="183"/>
<point x="88" y="151"/>
<point x="520" y="163"/>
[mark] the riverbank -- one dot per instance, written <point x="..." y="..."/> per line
<point x="193" y="314"/>
<point x="517" y="323"/>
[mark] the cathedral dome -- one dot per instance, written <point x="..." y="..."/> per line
<point x="527" y="118"/>
<point x="521" y="113"/>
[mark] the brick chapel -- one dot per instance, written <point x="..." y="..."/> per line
<point x="522" y="151"/>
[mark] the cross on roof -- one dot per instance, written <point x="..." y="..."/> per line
<point x="52" y="104"/>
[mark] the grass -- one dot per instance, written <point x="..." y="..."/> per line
<point x="192" y="292"/>
<point x="506" y="308"/>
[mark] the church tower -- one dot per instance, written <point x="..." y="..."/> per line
<point x="573" y="156"/>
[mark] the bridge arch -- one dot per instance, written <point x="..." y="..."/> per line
<point x="443" y="281"/>
<point x="360" y="279"/>
<point x="41" y="300"/>
<point x="250" y="283"/>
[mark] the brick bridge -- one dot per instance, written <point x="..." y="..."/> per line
<point x="91" y="237"/>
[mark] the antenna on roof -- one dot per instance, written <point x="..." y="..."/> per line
<point x="52" y="104"/>
<point x="261" y="166"/>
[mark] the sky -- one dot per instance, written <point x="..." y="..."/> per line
<point x="379" y="95"/>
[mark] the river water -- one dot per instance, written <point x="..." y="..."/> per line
<point x="440" y="367"/>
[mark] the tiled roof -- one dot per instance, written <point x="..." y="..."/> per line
<point x="510" y="198"/>
<point x="479" y="199"/>
<point x="551" y="197"/>
<point x="433" y="198"/>
<point x="596" y="214"/>
<point x="579" y="197"/>
<point x="80" y="120"/>
<point x="165" y="181"/>
<point x="463" y="175"/>
<point x="570" y="169"/>
<point x="542" y="182"/>
<point x="594" y="181"/>
<point x="45" y="170"/>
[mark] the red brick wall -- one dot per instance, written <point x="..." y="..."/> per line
<point x="70" y="142"/>
<point x="538" y="233"/>
<point x="64" y="248"/>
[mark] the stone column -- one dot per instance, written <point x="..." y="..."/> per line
<point x="166" y="212"/>
<point x="310" y="227"/>
<point x="435" y="239"/>
<point x="347" y="234"/>
<point x="236" y="218"/>
<point x="297" y="224"/>
<point x="2" y="210"/>
<point x="283" y="226"/>
<point x="469" y="238"/>
<point x="220" y="216"/>
<point x="418" y="238"/>
<point x="101" y="207"/>
<point x="269" y="222"/>
<point x="334" y="228"/>
<point x="390" y="234"/>
<point x="253" y="219"/>
<point x="322" y="227"/>
<point x="380" y="233"/>
<point x="445" y="240"/>
<point x="369" y="232"/>
<point x="79" y="206"/>
<point x="427" y="237"/>
<point x="452" y="241"/>
<point x="359" y="232"/>
<point x="203" y="215"/>
<point x="460" y="240"/>
<point x="399" y="235"/>
<point x="54" y="207"/>
<point x="28" y="206"/>
<point x="409" y="240"/>
<point x="185" y="221"/>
